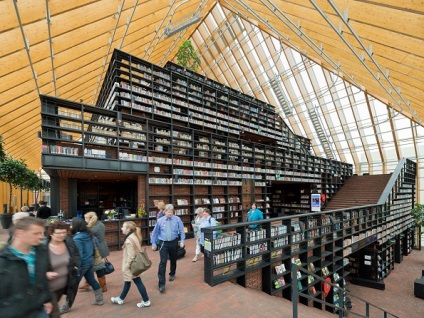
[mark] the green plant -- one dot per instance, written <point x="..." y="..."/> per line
<point x="14" y="172"/>
<point x="418" y="214"/>
<point x="32" y="183"/>
<point x="187" y="56"/>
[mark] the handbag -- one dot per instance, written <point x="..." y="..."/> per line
<point x="108" y="267"/>
<point x="141" y="262"/>
<point x="98" y="263"/>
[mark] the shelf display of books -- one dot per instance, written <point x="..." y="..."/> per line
<point x="194" y="142"/>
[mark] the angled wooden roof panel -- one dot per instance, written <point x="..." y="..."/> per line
<point x="84" y="36"/>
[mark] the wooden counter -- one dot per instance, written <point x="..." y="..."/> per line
<point x="114" y="236"/>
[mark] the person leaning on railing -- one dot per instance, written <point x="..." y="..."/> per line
<point x="254" y="214"/>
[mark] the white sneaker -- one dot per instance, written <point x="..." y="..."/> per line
<point x="144" y="304"/>
<point x="117" y="300"/>
<point x="194" y="259"/>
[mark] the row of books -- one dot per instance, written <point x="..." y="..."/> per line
<point x="182" y="202"/>
<point x="257" y="248"/>
<point x="227" y="256"/>
<point x="227" y="240"/>
<point x="255" y="235"/>
<point x="280" y="242"/>
<point x="278" y="230"/>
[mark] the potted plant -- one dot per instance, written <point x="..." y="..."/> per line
<point x="14" y="172"/>
<point x="33" y="183"/>
<point x="417" y="214"/>
<point x="187" y="56"/>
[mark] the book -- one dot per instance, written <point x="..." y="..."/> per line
<point x="325" y="271"/>
<point x="299" y="285"/>
<point x="336" y="276"/>
<point x="279" y="282"/>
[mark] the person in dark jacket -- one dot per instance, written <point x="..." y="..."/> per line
<point x="24" y="263"/>
<point x="97" y="228"/>
<point x="44" y="211"/>
<point x="64" y="259"/>
<point x="85" y="241"/>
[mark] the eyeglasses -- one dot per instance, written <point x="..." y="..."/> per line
<point x="60" y="233"/>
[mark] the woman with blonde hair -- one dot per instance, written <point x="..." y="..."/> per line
<point x="132" y="244"/>
<point x="97" y="228"/>
<point x="161" y="212"/>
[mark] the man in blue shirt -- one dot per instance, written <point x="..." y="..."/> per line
<point x="165" y="237"/>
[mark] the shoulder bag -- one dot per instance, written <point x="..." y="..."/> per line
<point x="108" y="267"/>
<point x="98" y="263"/>
<point x="141" y="262"/>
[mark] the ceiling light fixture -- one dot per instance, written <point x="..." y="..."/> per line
<point x="172" y="30"/>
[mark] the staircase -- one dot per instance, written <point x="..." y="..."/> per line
<point x="359" y="190"/>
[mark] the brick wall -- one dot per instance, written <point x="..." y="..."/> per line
<point x="254" y="279"/>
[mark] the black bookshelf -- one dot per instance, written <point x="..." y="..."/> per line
<point x="194" y="142"/>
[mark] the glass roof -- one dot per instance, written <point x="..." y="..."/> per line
<point x="342" y="121"/>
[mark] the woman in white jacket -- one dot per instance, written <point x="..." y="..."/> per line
<point x="196" y="229"/>
<point x="132" y="244"/>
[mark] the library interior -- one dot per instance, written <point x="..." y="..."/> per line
<point x="312" y="111"/>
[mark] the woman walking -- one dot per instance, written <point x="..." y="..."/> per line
<point x="84" y="241"/>
<point x="97" y="228"/>
<point x="196" y="229"/>
<point x="132" y="244"/>
<point x="64" y="260"/>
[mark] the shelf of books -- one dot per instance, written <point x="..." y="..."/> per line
<point x="199" y="143"/>
<point x="355" y="244"/>
<point x="183" y="131"/>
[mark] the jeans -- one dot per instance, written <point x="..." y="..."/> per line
<point x="168" y="249"/>
<point x="140" y="286"/>
<point x="87" y="271"/>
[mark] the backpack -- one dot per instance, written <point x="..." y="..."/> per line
<point x="217" y="224"/>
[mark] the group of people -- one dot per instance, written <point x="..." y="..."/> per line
<point x="53" y="266"/>
<point x="36" y="270"/>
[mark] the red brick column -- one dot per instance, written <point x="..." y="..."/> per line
<point x="63" y="194"/>
<point x="141" y="190"/>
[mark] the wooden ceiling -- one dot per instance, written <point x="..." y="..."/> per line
<point x="63" y="48"/>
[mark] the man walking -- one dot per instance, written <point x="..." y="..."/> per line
<point x="165" y="237"/>
<point x="24" y="290"/>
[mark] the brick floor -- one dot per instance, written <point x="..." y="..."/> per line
<point x="189" y="296"/>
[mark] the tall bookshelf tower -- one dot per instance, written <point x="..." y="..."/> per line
<point x="191" y="142"/>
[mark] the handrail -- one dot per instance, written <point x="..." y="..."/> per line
<point x="392" y="181"/>
<point x="209" y="229"/>
<point x="342" y="311"/>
